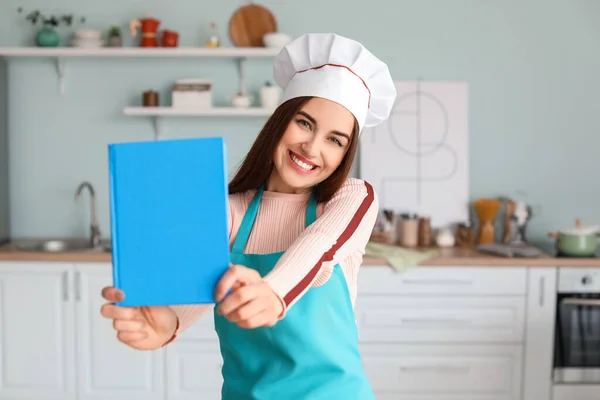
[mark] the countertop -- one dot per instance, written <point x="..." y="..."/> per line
<point x="447" y="257"/>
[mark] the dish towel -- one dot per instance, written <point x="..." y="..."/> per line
<point x="400" y="258"/>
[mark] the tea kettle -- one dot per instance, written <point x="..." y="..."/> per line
<point x="149" y="29"/>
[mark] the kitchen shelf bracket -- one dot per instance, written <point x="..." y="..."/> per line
<point x="242" y="73"/>
<point x="60" y="71"/>
<point x="157" y="125"/>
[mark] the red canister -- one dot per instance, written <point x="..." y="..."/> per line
<point x="170" y="38"/>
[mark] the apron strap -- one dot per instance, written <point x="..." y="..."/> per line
<point x="311" y="209"/>
<point x="246" y="227"/>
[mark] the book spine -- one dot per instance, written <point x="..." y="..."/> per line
<point x="113" y="212"/>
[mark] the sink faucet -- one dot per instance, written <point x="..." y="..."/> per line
<point x="94" y="228"/>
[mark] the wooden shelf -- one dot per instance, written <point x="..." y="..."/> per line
<point x="157" y="113"/>
<point x="208" y="112"/>
<point x="132" y="52"/>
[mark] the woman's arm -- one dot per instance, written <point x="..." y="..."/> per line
<point x="344" y="227"/>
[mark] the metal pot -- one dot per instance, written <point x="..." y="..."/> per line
<point x="577" y="242"/>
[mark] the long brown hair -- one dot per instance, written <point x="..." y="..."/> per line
<point x="258" y="163"/>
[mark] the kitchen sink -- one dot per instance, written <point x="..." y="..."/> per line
<point x="61" y="245"/>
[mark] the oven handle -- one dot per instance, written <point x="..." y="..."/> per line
<point x="581" y="302"/>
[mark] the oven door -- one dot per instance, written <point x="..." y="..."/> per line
<point x="577" y="338"/>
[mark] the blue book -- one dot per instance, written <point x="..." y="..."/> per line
<point x="169" y="220"/>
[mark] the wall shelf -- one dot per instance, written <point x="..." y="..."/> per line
<point x="157" y="113"/>
<point x="132" y="52"/>
<point x="59" y="54"/>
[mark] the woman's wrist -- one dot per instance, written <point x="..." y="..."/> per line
<point x="174" y="334"/>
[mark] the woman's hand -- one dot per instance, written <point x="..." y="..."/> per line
<point x="252" y="303"/>
<point x="143" y="328"/>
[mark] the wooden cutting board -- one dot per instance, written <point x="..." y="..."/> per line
<point x="249" y="24"/>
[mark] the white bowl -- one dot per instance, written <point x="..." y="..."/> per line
<point x="88" y="34"/>
<point x="87" y="43"/>
<point x="276" y="39"/>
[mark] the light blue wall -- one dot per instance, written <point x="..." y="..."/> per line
<point x="532" y="67"/>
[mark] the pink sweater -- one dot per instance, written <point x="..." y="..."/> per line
<point x="339" y="236"/>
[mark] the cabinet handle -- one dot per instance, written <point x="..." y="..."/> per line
<point x="574" y="301"/>
<point x="425" y="281"/>
<point x="442" y="320"/>
<point x="445" y="369"/>
<point x="77" y="286"/>
<point x="542" y="290"/>
<point x="65" y="285"/>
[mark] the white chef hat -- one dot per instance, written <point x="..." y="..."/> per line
<point x="339" y="69"/>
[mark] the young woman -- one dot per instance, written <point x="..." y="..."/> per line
<point x="298" y="227"/>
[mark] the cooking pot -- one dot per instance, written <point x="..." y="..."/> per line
<point x="577" y="242"/>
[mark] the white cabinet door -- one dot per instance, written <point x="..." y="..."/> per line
<point x="539" y="340"/>
<point x="36" y="331"/>
<point x="107" y="368"/>
<point x="194" y="369"/>
<point x="194" y="363"/>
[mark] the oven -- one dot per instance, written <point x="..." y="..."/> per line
<point x="577" y="327"/>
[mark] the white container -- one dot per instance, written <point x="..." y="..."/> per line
<point x="240" y="100"/>
<point x="192" y="93"/>
<point x="276" y="40"/>
<point x="445" y="238"/>
<point x="269" y="96"/>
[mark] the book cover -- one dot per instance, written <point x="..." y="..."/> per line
<point x="169" y="220"/>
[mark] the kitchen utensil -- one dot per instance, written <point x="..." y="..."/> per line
<point x="409" y="232"/>
<point x="521" y="216"/>
<point x="465" y="236"/>
<point x="249" y="24"/>
<point x="509" y="210"/>
<point x="425" y="238"/>
<point x="149" y="28"/>
<point x="486" y="210"/>
<point x="577" y="242"/>
<point x="508" y="250"/>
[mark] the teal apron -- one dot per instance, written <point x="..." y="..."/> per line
<point x="311" y="354"/>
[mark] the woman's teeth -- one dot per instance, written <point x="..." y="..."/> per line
<point x="301" y="164"/>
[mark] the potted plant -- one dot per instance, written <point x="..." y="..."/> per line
<point x="47" y="35"/>
<point x="114" y="37"/>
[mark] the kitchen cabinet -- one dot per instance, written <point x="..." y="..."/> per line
<point x="37" y="332"/>
<point x="443" y="333"/>
<point x="194" y="363"/>
<point x="539" y="339"/>
<point x="54" y="344"/>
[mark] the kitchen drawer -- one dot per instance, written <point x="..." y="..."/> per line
<point x="575" y="392"/>
<point x="443" y="280"/>
<point x="440" y="372"/>
<point x="440" y="319"/>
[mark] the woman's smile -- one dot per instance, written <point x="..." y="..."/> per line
<point x="301" y="164"/>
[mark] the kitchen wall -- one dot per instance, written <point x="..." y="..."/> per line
<point x="532" y="68"/>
